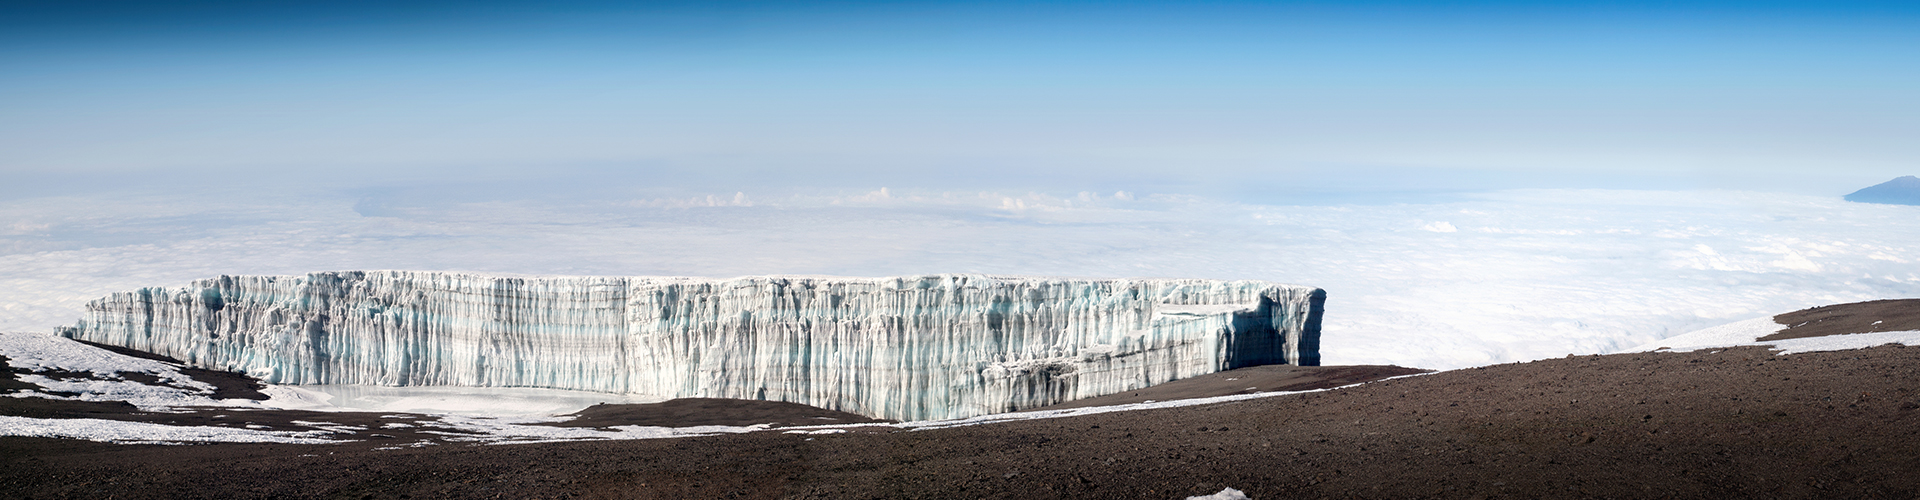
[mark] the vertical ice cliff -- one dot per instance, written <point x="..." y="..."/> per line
<point x="913" y="347"/>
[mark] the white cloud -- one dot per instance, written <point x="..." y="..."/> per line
<point x="1538" y="274"/>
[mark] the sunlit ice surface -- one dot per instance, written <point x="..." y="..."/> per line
<point x="1477" y="279"/>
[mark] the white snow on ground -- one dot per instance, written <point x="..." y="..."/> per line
<point x="471" y="401"/>
<point x="1224" y="494"/>
<point x="330" y="426"/>
<point x="1075" y="412"/>
<point x="297" y="398"/>
<point x="497" y="429"/>
<point x="39" y="351"/>
<point x="146" y="397"/>
<point x="515" y="430"/>
<point x="510" y="421"/>
<point x="500" y="430"/>
<point x="114" y="431"/>
<point x="1845" y="342"/>
<point x="1748" y="333"/>
<point x="1730" y="334"/>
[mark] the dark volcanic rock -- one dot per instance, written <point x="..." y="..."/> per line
<point x="690" y="412"/>
<point x="1732" y="423"/>
<point x="1900" y="191"/>
<point x="226" y="385"/>
<point x="1895" y="315"/>
<point x="10" y="379"/>
<point x="1721" y="423"/>
<point x="1269" y="378"/>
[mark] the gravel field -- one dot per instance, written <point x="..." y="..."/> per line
<point x="1716" y="423"/>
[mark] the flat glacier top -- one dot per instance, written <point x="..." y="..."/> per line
<point x="811" y="277"/>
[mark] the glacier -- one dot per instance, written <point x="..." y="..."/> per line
<point x="901" y="348"/>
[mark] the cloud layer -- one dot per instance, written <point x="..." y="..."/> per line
<point x="1496" y="277"/>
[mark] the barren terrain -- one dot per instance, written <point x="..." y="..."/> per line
<point x="1741" y="422"/>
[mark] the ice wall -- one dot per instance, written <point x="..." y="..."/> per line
<point x="915" y="347"/>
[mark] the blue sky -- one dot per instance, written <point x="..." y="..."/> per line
<point x="1265" y="101"/>
<point x="1692" y="154"/>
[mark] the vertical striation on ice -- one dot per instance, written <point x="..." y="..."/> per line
<point x="909" y="348"/>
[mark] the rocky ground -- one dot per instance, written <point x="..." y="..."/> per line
<point x="1859" y="317"/>
<point x="1739" y="422"/>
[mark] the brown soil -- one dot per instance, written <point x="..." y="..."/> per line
<point x="690" y="412"/>
<point x="1709" y="424"/>
<point x="380" y="429"/>
<point x="1740" y="422"/>
<point x="1896" y="315"/>
<point x="1271" y="378"/>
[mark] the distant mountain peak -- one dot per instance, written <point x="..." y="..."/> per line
<point x="1904" y="190"/>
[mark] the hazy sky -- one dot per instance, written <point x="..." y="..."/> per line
<point x="1691" y="155"/>
<point x="1267" y="101"/>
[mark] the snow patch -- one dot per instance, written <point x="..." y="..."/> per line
<point x="1748" y="333"/>
<point x="1224" y="494"/>
<point x="114" y="431"/>
<point x="817" y="431"/>
<point x="1845" y="342"/>
<point x="488" y="430"/>
<point x="51" y="359"/>
<point x="1727" y="335"/>
<point x="469" y="401"/>
<point x="40" y="352"/>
